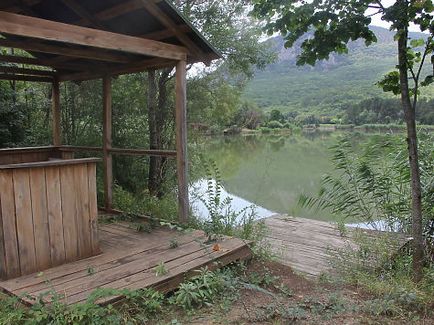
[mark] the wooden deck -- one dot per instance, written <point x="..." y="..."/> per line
<point x="128" y="261"/>
<point x="305" y="244"/>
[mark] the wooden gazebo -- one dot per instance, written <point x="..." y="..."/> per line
<point x="48" y="209"/>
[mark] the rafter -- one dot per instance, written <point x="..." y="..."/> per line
<point x="152" y="8"/>
<point x="45" y="63"/>
<point x="19" y="25"/>
<point x="25" y="78"/>
<point x="30" y="72"/>
<point x="155" y="63"/>
<point x="88" y="53"/>
<point x="83" y="13"/>
<point x="165" y="33"/>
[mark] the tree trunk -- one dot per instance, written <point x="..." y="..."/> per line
<point x="416" y="193"/>
<point x="153" y="133"/>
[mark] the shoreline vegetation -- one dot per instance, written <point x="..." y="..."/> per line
<point x="388" y="128"/>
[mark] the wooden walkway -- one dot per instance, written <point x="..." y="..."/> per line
<point x="128" y="261"/>
<point x="305" y="244"/>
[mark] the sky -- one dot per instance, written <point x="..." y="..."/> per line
<point x="376" y="20"/>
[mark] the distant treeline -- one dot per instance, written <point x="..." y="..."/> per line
<point x="385" y="111"/>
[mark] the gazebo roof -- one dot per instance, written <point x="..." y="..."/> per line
<point x="82" y="39"/>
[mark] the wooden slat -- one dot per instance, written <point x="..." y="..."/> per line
<point x="181" y="140"/>
<point x="2" y="246"/>
<point x="55" y="217"/>
<point x="24" y="221"/>
<point x="50" y="163"/>
<point x="81" y="185"/>
<point x="25" y="26"/>
<point x="93" y="208"/>
<point x="38" y="190"/>
<point x="68" y="195"/>
<point x="12" y="264"/>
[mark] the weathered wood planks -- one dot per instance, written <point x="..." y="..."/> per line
<point x="130" y="264"/>
<point x="26" y="155"/>
<point x="48" y="214"/>
<point x="305" y="244"/>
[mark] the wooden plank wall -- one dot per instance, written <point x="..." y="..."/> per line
<point x="18" y="156"/>
<point x="48" y="216"/>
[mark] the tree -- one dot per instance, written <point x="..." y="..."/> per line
<point x="337" y="22"/>
<point x="226" y="25"/>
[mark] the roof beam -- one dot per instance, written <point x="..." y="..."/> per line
<point x="44" y="63"/>
<point x="30" y="72"/>
<point x="156" y="63"/>
<point x="83" y="13"/>
<point x="25" y="78"/>
<point x="166" y="33"/>
<point x="89" y="53"/>
<point x="19" y="25"/>
<point x="152" y="8"/>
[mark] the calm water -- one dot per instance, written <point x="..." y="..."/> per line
<point x="271" y="171"/>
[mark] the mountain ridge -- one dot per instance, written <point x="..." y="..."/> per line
<point x="330" y="85"/>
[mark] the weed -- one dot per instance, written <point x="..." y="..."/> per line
<point x="200" y="290"/>
<point x="173" y="243"/>
<point x="160" y="269"/>
<point x="90" y="270"/>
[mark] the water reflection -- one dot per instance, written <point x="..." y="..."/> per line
<point x="199" y="190"/>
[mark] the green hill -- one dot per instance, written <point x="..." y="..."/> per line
<point x="330" y="85"/>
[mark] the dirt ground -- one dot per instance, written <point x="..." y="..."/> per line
<point x="289" y="298"/>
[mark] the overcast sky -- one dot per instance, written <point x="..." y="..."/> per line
<point x="376" y="20"/>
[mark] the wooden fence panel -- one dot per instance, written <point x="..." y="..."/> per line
<point x="48" y="215"/>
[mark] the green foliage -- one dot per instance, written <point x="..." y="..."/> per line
<point x="200" y="290"/>
<point x="371" y="264"/>
<point x="137" y="307"/>
<point x="164" y="208"/>
<point x="173" y="243"/>
<point x="373" y="183"/>
<point x="161" y="269"/>
<point x="274" y="125"/>
<point x="223" y="219"/>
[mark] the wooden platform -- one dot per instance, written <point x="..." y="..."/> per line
<point x="128" y="261"/>
<point x="305" y="244"/>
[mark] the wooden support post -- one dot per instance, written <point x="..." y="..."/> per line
<point x="181" y="140"/>
<point x="107" y="143"/>
<point x="55" y="100"/>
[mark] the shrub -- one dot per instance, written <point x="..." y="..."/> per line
<point x="275" y="125"/>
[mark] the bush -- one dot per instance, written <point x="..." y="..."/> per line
<point x="372" y="183"/>
<point x="275" y="125"/>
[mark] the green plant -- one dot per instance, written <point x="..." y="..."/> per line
<point x="90" y="270"/>
<point x="371" y="183"/>
<point x="223" y="219"/>
<point x="161" y="269"/>
<point x="173" y="243"/>
<point x="200" y="290"/>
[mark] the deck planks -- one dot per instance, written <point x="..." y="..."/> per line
<point x="128" y="261"/>
<point x="305" y="244"/>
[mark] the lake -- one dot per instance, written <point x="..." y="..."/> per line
<point x="270" y="171"/>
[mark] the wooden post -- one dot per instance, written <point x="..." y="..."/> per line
<point x="55" y="109"/>
<point x="107" y="143"/>
<point x="181" y="140"/>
